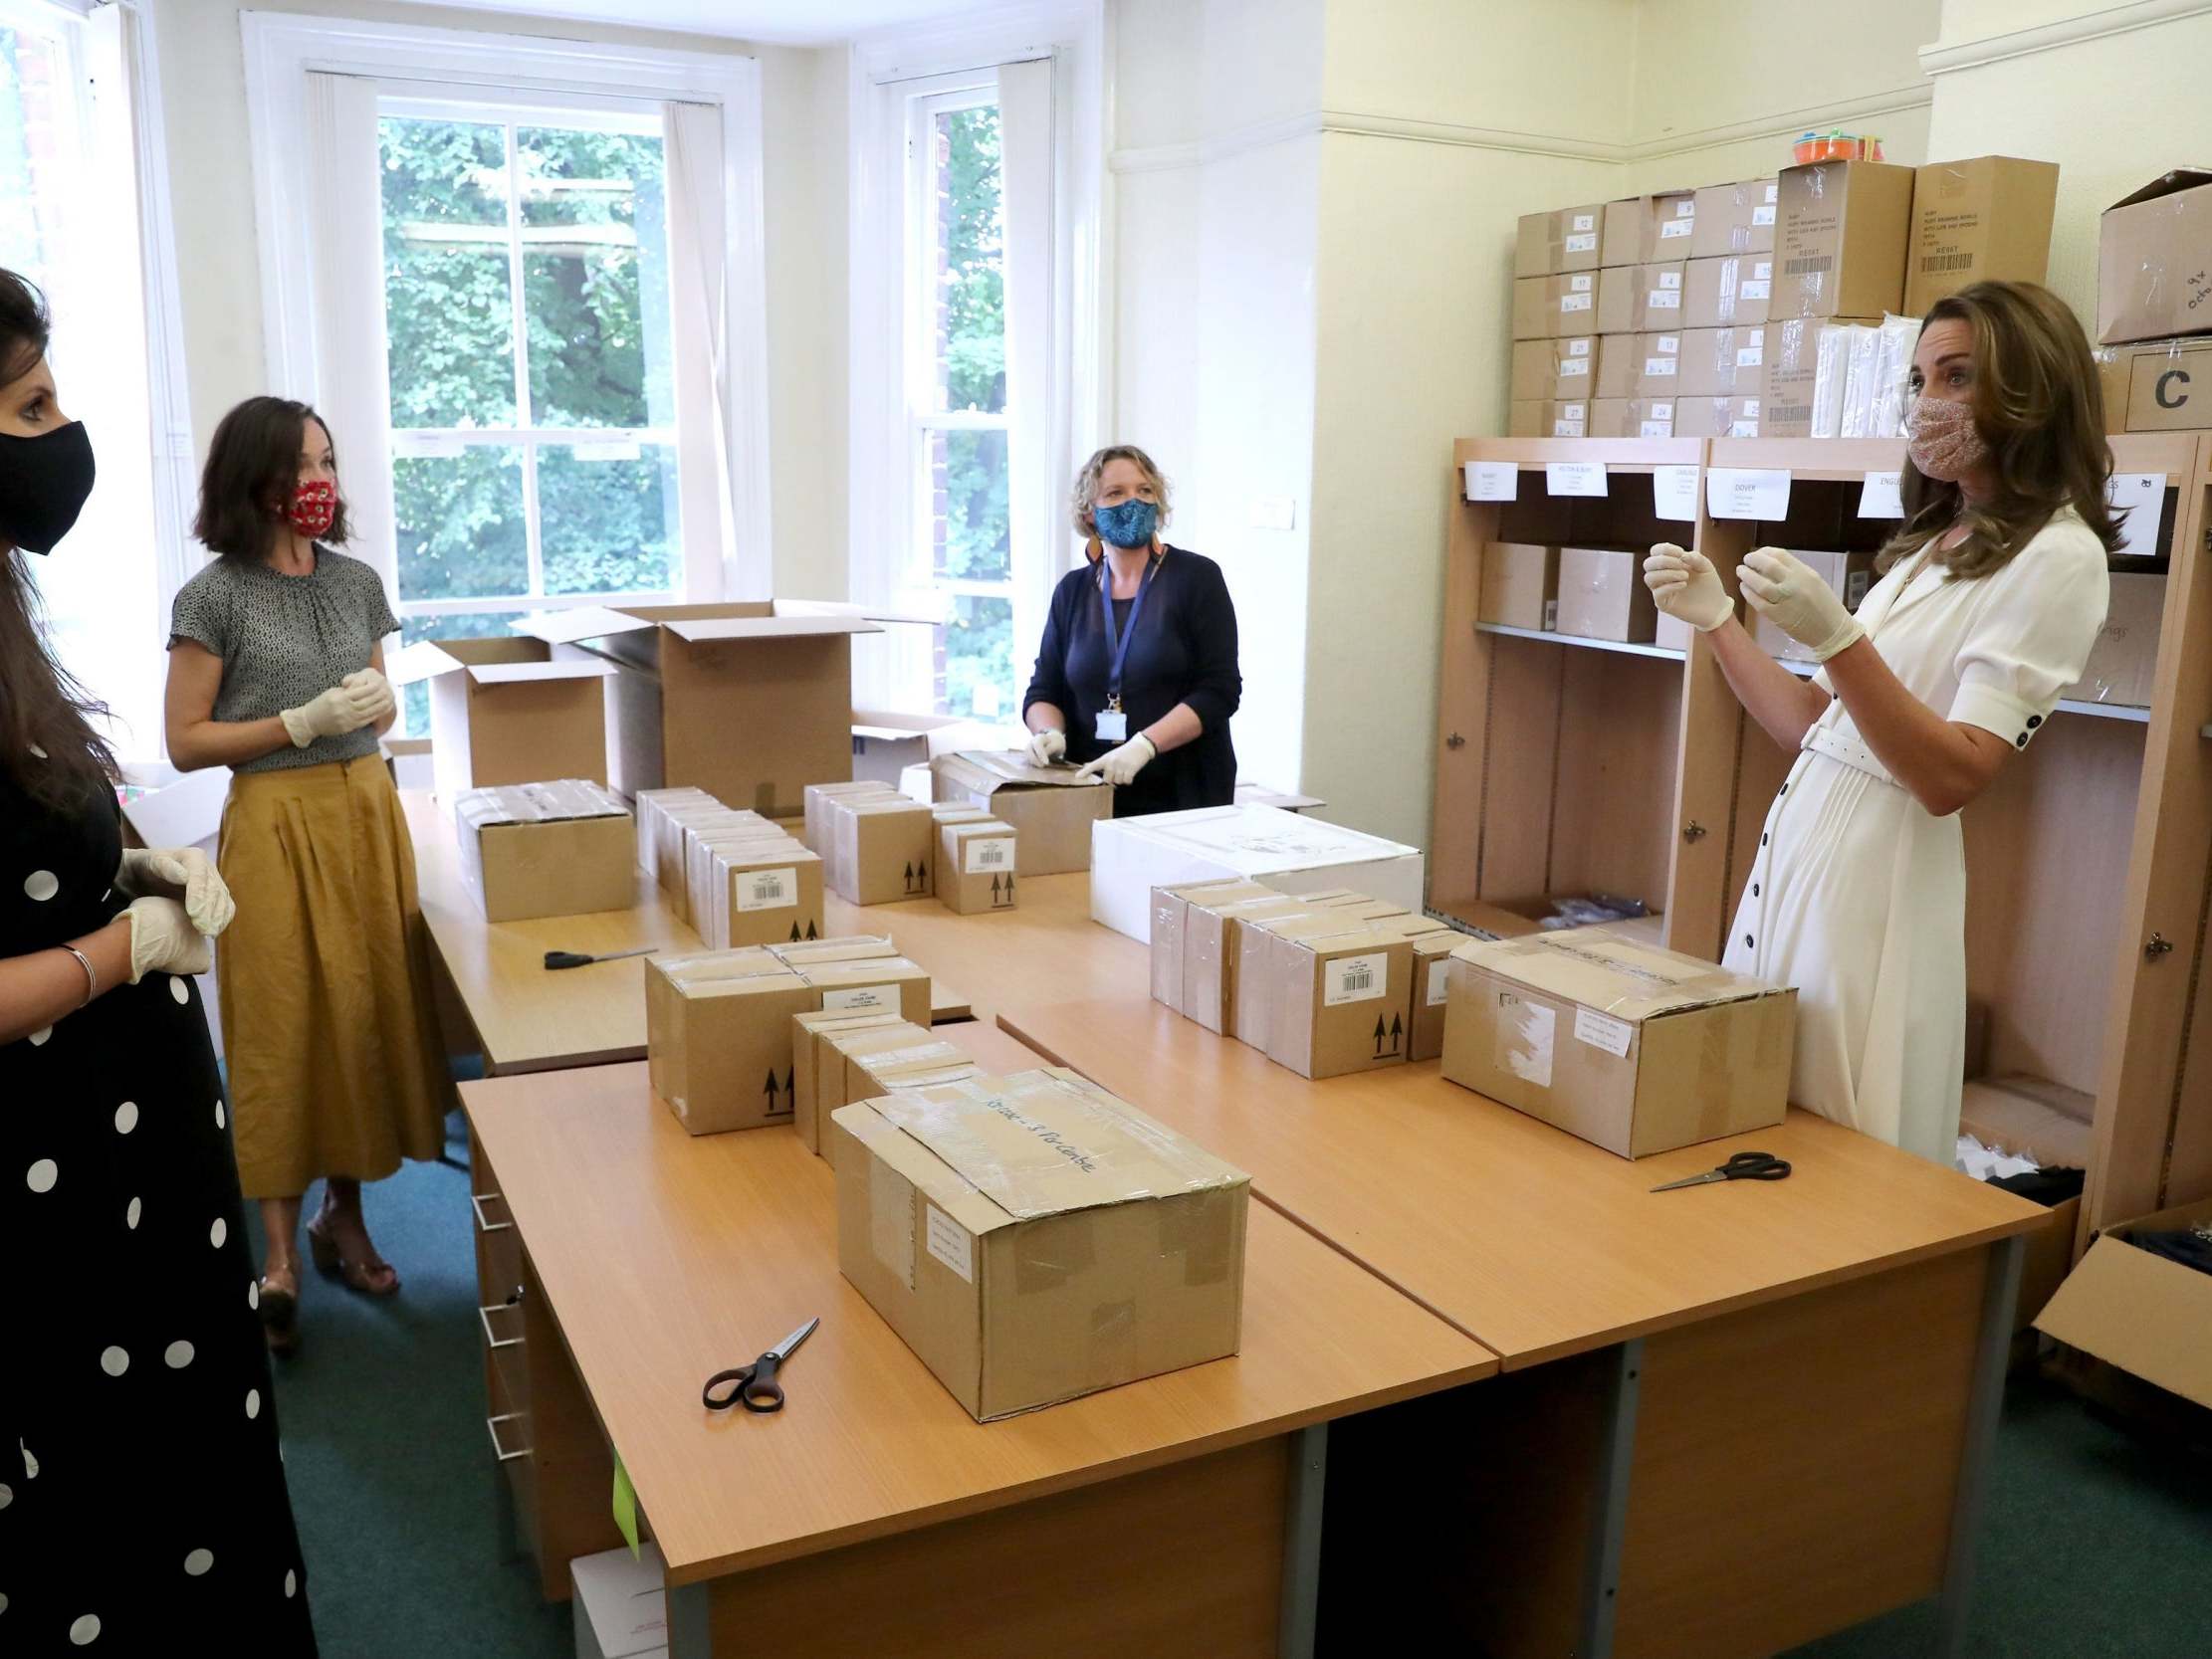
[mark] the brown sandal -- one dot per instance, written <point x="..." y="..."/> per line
<point x="279" y="1308"/>
<point x="371" y="1276"/>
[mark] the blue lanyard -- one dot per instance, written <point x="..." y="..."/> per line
<point x="1119" y="648"/>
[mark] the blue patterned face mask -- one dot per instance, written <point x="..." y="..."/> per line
<point x="1127" y="524"/>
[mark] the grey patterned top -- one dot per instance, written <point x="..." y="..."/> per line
<point x="285" y="641"/>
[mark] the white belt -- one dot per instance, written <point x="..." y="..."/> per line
<point x="1826" y="740"/>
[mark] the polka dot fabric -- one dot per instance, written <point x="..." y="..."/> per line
<point x="144" y="1510"/>
<point x="285" y="641"/>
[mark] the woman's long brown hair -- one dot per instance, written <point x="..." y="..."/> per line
<point x="2040" y="406"/>
<point x="40" y="707"/>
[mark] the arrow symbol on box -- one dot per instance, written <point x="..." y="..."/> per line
<point x="1396" y="1032"/>
<point x="1380" y="1033"/>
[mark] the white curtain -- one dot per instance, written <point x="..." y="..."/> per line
<point x="351" y="388"/>
<point x="698" y="259"/>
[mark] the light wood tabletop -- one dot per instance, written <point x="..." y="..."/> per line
<point x="1535" y="1243"/>
<point x="667" y="1258"/>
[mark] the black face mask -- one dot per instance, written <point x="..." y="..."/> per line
<point x="43" y="484"/>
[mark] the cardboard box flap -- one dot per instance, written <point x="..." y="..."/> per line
<point x="2167" y="184"/>
<point x="890" y="727"/>
<point x="1268" y="838"/>
<point x="504" y="674"/>
<point x="423" y="660"/>
<point x="840" y="607"/>
<point x="538" y="803"/>
<point x="1037" y="1148"/>
<point x="992" y="769"/>
<point x="706" y="630"/>
<point x="2148" y="1316"/>
<point x="928" y="1173"/>
<point x="582" y="622"/>
<point x="1612" y="974"/>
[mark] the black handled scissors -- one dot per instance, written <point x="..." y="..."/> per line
<point x="755" y="1386"/>
<point x="1744" y="1166"/>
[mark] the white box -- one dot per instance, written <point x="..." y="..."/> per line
<point x="621" y="1604"/>
<point x="1286" y="851"/>
<point x="917" y="783"/>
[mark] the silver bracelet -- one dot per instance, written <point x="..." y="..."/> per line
<point x="92" y="975"/>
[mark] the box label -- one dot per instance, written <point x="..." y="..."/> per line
<point x="1671" y="280"/>
<point x="1574" y="478"/>
<point x="1574" y="303"/>
<point x="1439" y="983"/>
<point x="1763" y="215"/>
<point x="1656" y="366"/>
<point x="1669" y="345"/>
<point x="1586" y="221"/>
<point x="988" y="855"/>
<point x="1567" y="429"/>
<point x="1492" y="481"/>
<point x="1574" y="366"/>
<point x="1752" y="356"/>
<point x="1527" y="1031"/>
<point x="1687" y="208"/>
<point x="1604" y="1031"/>
<point x="1673" y="228"/>
<point x="1762" y="269"/>
<point x="1879" y="497"/>
<point x="1760" y="288"/>
<point x="1578" y="284"/>
<point x="1743" y="429"/>
<point x="891" y="1221"/>
<point x="1666" y="299"/>
<point x="767" y="889"/>
<point x="1675" y="492"/>
<point x="866" y="999"/>
<point x="949" y="1242"/>
<point x="1657" y="429"/>
<point x="1585" y="243"/>
<point x="1355" y="979"/>
<point x="1578" y="349"/>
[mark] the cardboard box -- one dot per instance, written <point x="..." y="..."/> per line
<point x="810" y="1042"/>
<point x="1633" y="417"/>
<point x="874" y="984"/>
<point x="1735" y="219"/>
<point x="751" y="700"/>
<point x="2154" y="260"/>
<point x="1723" y="363"/>
<point x="836" y="1055"/>
<point x="1619" y="362"/>
<point x="1288" y="851"/>
<point x="1170" y="912"/>
<point x="949" y="1200"/>
<point x="1639" y="365"/>
<point x="718" y="1037"/>
<point x="1264" y="941"/>
<point x="2047" y="1259"/>
<point x="845" y="947"/>
<point x="2030" y="1116"/>
<point x="1520" y="585"/>
<point x="1579" y="303"/>
<point x="1625" y="235"/>
<point x="546" y="848"/>
<point x="763" y="893"/>
<point x="1212" y="950"/>
<point x="1674" y="225"/>
<point x="1549" y="243"/>
<point x="1979" y="221"/>
<point x="1717" y="417"/>
<point x="1723" y="293"/>
<point x="1791" y="350"/>
<point x="1549" y="420"/>
<point x="621" y="1604"/>
<point x="501" y="711"/>
<point x="2150" y="1317"/>
<point x="673" y="823"/>
<point x="652" y="806"/>
<point x="1429" y="991"/>
<point x="1842" y="238"/>
<point x="1341" y="1002"/>
<point x="2166" y="387"/>
<point x="1847" y="575"/>
<point x="1554" y="370"/>
<point x="1655" y="294"/>
<point x="881" y="851"/>
<point x="885" y="744"/>
<point x="975" y="865"/>
<point x="1050" y="808"/>
<point x="1633" y="1048"/>
<point x="872" y="1072"/>
<point x="2124" y="663"/>
<point x="815" y="803"/>
<point x="1602" y="595"/>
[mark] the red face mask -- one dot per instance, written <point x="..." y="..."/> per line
<point x="312" y="509"/>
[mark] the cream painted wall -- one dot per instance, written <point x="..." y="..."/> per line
<point x="1499" y="66"/>
<point x="202" y="68"/>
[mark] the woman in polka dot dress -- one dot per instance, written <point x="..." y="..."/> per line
<point x="142" y="1502"/>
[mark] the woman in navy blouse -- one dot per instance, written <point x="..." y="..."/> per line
<point x="1137" y="673"/>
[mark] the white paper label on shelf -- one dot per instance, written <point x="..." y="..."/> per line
<point x="861" y="999"/>
<point x="767" y="889"/>
<point x="1527" y="1032"/>
<point x="1657" y="429"/>
<point x="1671" y="345"/>
<point x="986" y="854"/>
<point x="1587" y="243"/>
<point x="1574" y="366"/>
<point x="1355" y="979"/>
<point x="1492" y="481"/>
<point x="949" y="1243"/>
<point x="1760" y="288"/>
<point x="1879" y="497"/>
<point x="1586" y="221"/>
<point x="1763" y="215"/>
<point x="1654" y="367"/>
<point x="1604" y="1031"/>
<point x="1665" y="300"/>
<point x="1752" y="356"/>
<point x="1578" y="348"/>
<point x="1574" y="303"/>
<point x="1579" y="285"/>
<point x="1569" y="429"/>
<point x="1574" y="478"/>
<point x="1673" y="228"/>
<point x="1675" y="492"/>
<point x="1757" y="492"/>
<point x="1440" y="981"/>
<point x="2145" y="495"/>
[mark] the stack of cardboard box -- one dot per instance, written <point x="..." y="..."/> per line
<point x="2155" y="306"/>
<point x="879" y="847"/>
<point x="736" y="877"/>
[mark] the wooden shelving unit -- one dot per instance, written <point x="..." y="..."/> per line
<point x="1631" y="771"/>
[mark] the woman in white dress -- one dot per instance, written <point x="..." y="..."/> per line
<point x="1993" y="591"/>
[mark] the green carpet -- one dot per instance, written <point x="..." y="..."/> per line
<point x="2095" y="1544"/>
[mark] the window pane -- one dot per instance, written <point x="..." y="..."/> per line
<point x="595" y="277"/>
<point x="414" y="703"/>
<point x="606" y="516"/>
<point x="977" y="671"/>
<point x="34" y="88"/>
<point x="969" y="282"/>
<point x="459" y="523"/>
<point x="967" y="506"/>
<point x="448" y="306"/>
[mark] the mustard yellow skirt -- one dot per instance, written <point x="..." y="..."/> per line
<point x="335" y="1066"/>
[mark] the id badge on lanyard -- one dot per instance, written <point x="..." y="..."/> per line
<point x="1113" y="721"/>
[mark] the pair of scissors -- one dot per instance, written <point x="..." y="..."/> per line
<point x="755" y="1386"/>
<point x="1744" y="1166"/>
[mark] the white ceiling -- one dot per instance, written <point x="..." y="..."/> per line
<point x="776" y="21"/>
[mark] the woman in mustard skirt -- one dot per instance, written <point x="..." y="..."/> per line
<point x="276" y="670"/>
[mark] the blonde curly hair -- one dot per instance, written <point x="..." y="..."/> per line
<point x="1084" y="496"/>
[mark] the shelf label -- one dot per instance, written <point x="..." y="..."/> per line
<point x="1675" y="492"/>
<point x="1879" y="497"/>
<point x="1574" y="478"/>
<point x="1492" y="481"/>
<point x="1758" y="493"/>
<point x="2144" y="493"/>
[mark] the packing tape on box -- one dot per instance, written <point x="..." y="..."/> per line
<point x="1052" y="1250"/>
<point x="1113" y="1333"/>
<point x="711" y="967"/>
<point x="1195" y="1227"/>
<point x="539" y="803"/>
<point x="1714" y="1094"/>
<point x="1671" y="984"/>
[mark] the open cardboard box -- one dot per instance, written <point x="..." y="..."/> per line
<point x="503" y="710"/>
<point x="885" y="744"/>
<point x="2150" y="1317"/>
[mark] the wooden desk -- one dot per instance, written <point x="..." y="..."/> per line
<point x="1774" y="1375"/>
<point x="1177" y="1515"/>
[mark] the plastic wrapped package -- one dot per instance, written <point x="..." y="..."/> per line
<point x="1901" y="336"/>
<point x="1860" y="382"/>
<point x="1831" y="370"/>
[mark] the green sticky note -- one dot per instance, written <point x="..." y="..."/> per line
<point x="625" y="1508"/>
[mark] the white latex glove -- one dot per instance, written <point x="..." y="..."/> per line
<point x="1119" y="766"/>
<point x="1789" y="594"/>
<point x="1686" y="587"/>
<point x="180" y="873"/>
<point x="1047" y="746"/>
<point x="163" y="940"/>
<point x="332" y="715"/>
<point x="369" y="684"/>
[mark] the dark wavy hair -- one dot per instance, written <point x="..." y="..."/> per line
<point x="252" y="465"/>
<point x="42" y="709"/>
<point x="2040" y="406"/>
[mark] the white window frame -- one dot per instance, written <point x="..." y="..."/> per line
<point x="282" y="49"/>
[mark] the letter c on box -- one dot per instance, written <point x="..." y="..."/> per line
<point x="2160" y="391"/>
